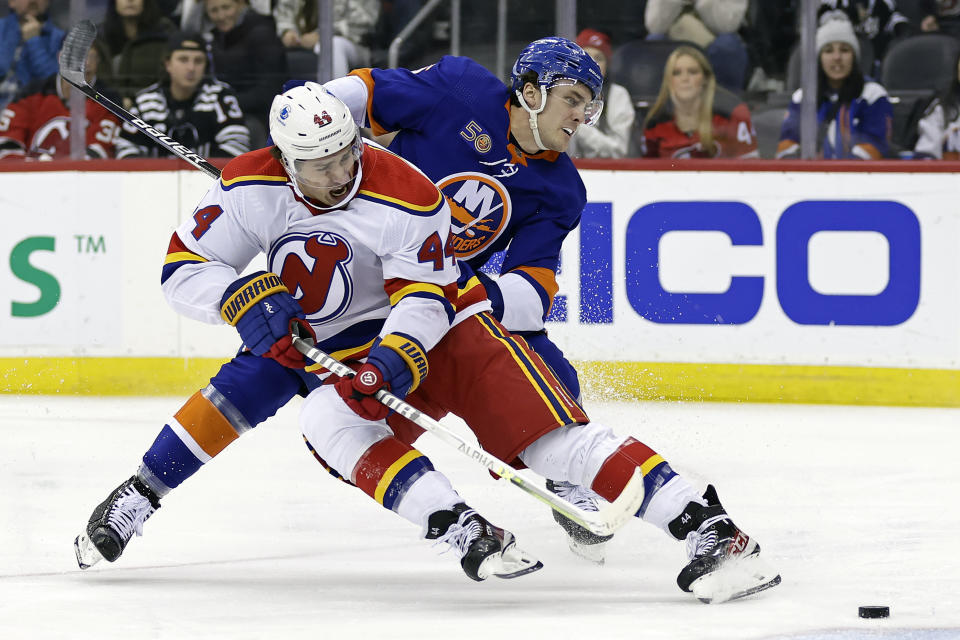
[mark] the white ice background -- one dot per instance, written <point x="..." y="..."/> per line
<point x="855" y="506"/>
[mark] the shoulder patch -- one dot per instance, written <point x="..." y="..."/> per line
<point x="390" y="179"/>
<point x="255" y="167"/>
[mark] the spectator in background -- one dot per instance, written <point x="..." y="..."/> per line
<point x="878" y="21"/>
<point x="854" y="114"/>
<point x="610" y="137"/>
<point x="692" y="119"/>
<point x="199" y="113"/>
<point x="192" y="17"/>
<point x="710" y="24"/>
<point x="29" y="43"/>
<point x="939" y="128"/>
<point x="247" y="55"/>
<point x="136" y="34"/>
<point x="37" y="124"/>
<point x="353" y="22"/>
<point x="941" y="15"/>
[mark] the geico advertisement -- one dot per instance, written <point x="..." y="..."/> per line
<point x="804" y="268"/>
<point x="765" y="268"/>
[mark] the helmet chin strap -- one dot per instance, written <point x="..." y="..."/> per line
<point x="533" y="115"/>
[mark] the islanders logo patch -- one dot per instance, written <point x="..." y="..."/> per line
<point x="480" y="209"/>
<point x="314" y="268"/>
<point x="483" y="143"/>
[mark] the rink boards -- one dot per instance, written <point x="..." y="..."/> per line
<point x="703" y="280"/>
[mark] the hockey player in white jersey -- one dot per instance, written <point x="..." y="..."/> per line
<point x="357" y="234"/>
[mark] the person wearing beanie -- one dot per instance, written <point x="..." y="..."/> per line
<point x="198" y="112"/>
<point x="610" y="137"/>
<point x="854" y="114"/>
<point x="836" y="28"/>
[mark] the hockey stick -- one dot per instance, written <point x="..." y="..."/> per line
<point x="73" y="59"/>
<point x="603" y="522"/>
<point x="73" y="63"/>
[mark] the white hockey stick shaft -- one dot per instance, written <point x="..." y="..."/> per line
<point x="604" y="522"/>
<point x="73" y="63"/>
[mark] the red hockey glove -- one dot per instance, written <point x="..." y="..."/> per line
<point x="397" y="363"/>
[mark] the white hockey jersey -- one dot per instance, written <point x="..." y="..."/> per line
<point x="379" y="263"/>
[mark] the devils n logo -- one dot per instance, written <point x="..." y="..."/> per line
<point x="314" y="268"/>
<point x="323" y="119"/>
<point x="480" y="209"/>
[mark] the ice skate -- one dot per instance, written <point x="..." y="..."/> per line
<point x="484" y="549"/>
<point x="581" y="541"/>
<point x="114" y="522"/>
<point x="725" y="562"/>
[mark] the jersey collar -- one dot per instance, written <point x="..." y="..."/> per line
<point x="517" y="154"/>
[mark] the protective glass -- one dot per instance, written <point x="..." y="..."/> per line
<point x="329" y="172"/>
<point x="591" y="109"/>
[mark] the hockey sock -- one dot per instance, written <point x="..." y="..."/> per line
<point x="670" y="501"/>
<point x="192" y="437"/>
<point x="403" y="480"/>
<point x="657" y="476"/>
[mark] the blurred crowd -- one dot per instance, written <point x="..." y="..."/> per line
<point x="684" y="78"/>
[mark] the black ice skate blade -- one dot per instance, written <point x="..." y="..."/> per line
<point x="746" y="592"/>
<point x="521" y="572"/>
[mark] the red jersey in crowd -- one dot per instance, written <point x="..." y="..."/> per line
<point x="733" y="135"/>
<point x="38" y="124"/>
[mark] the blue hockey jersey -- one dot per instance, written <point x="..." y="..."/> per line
<point x="453" y="122"/>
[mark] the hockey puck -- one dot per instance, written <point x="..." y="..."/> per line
<point x="874" y="612"/>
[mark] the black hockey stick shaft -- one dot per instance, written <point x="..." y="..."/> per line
<point x="73" y="62"/>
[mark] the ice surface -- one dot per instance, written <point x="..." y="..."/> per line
<point x="856" y="506"/>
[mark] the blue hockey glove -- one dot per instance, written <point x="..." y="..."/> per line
<point x="264" y="313"/>
<point x="397" y="363"/>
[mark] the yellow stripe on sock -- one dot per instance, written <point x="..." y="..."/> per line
<point x="392" y="472"/>
<point x="651" y="463"/>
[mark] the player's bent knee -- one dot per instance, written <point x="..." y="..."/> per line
<point x="338" y="435"/>
<point x="573" y="453"/>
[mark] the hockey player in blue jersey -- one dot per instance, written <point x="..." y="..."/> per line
<point x="497" y="155"/>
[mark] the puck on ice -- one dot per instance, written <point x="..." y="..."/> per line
<point x="874" y="612"/>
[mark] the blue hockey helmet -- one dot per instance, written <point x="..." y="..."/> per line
<point x="555" y="58"/>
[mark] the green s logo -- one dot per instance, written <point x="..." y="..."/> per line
<point x="46" y="283"/>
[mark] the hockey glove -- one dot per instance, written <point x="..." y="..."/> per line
<point x="397" y="364"/>
<point x="264" y="313"/>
